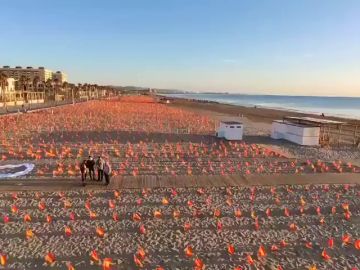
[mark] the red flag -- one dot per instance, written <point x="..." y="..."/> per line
<point x="199" y="265"/>
<point x="231" y="249"/>
<point x="100" y="232"/>
<point x="142" y="229"/>
<point x="94" y="256"/>
<point x="331" y="243"/>
<point x="249" y="260"/>
<point x="325" y="256"/>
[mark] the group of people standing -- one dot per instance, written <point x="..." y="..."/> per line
<point x="102" y="167"/>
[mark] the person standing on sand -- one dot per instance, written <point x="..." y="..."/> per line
<point x="83" y="171"/>
<point x="90" y="165"/>
<point x="100" y="168"/>
<point x="107" y="172"/>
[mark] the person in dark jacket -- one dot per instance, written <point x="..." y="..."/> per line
<point x="83" y="171"/>
<point x="90" y="165"/>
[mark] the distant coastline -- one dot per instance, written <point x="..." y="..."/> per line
<point x="340" y="107"/>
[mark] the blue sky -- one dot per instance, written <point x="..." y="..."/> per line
<point x="256" y="46"/>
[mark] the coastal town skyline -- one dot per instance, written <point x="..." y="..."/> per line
<point x="279" y="48"/>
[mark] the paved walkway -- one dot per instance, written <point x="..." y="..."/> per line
<point x="147" y="181"/>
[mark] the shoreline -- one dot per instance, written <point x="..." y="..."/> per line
<point x="256" y="114"/>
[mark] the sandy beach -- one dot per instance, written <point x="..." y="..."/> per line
<point x="179" y="198"/>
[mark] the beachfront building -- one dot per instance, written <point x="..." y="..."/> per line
<point x="59" y="76"/>
<point x="230" y="130"/>
<point x="41" y="74"/>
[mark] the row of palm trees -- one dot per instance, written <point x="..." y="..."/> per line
<point x="55" y="88"/>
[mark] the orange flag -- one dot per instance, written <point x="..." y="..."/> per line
<point x="3" y="259"/>
<point x="107" y="263"/>
<point x="249" y="260"/>
<point x="165" y="201"/>
<point x="100" y="232"/>
<point x="157" y="214"/>
<point x="261" y="252"/>
<point x="141" y="253"/>
<point x="189" y="251"/>
<point x="27" y="218"/>
<point x="48" y="219"/>
<point x="50" y="258"/>
<point x="29" y="234"/>
<point x="136" y="217"/>
<point x="325" y="256"/>
<point x="138" y="262"/>
<point x="357" y="244"/>
<point x="68" y="231"/>
<point x="70" y="266"/>
<point x="111" y="204"/>
<point x="94" y="256"/>
<point x="217" y="213"/>
<point x="199" y="265"/>
<point x="237" y="213"/>
<point x="346" y="239"/>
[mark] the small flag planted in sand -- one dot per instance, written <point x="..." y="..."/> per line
<point x="14" y="209"/>
<point x="261" y="252"/>
<point x="346" y="239"/>
<point x="3" y="259"/>
<point x="136" y="217"/>
<point x="42" y="206"/>
<point x="94" y="256"/>
<point x="199" y="264"/>
<point x="27" y="218"/>
<point x="325" y="256"/>
<point x="111" y="204"/>
<point x="249" y="260"/>
<point x="107" y="263"/>
<point x="29" y="234"/>
<point x="68" y="231"/>
<point x="142" y="229"/>
<point x="6" y="219"/>
<point x="357" y="244"/>
<point x="237" y="213"/>
<point x="231" y="249"/>
<point x="70" y="266"/>
<point x="50" y="258"/>
<point x="189" y="251"/>
<point x="157" y="214"/>
<point x="100" y="232"/>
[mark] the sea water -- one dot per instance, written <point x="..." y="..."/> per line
<point x="348" y="107"/>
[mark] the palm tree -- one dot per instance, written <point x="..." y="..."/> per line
<point x="36" y="82"/>
<point x="48" y="88"/>
<point x="3" y="84"/>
